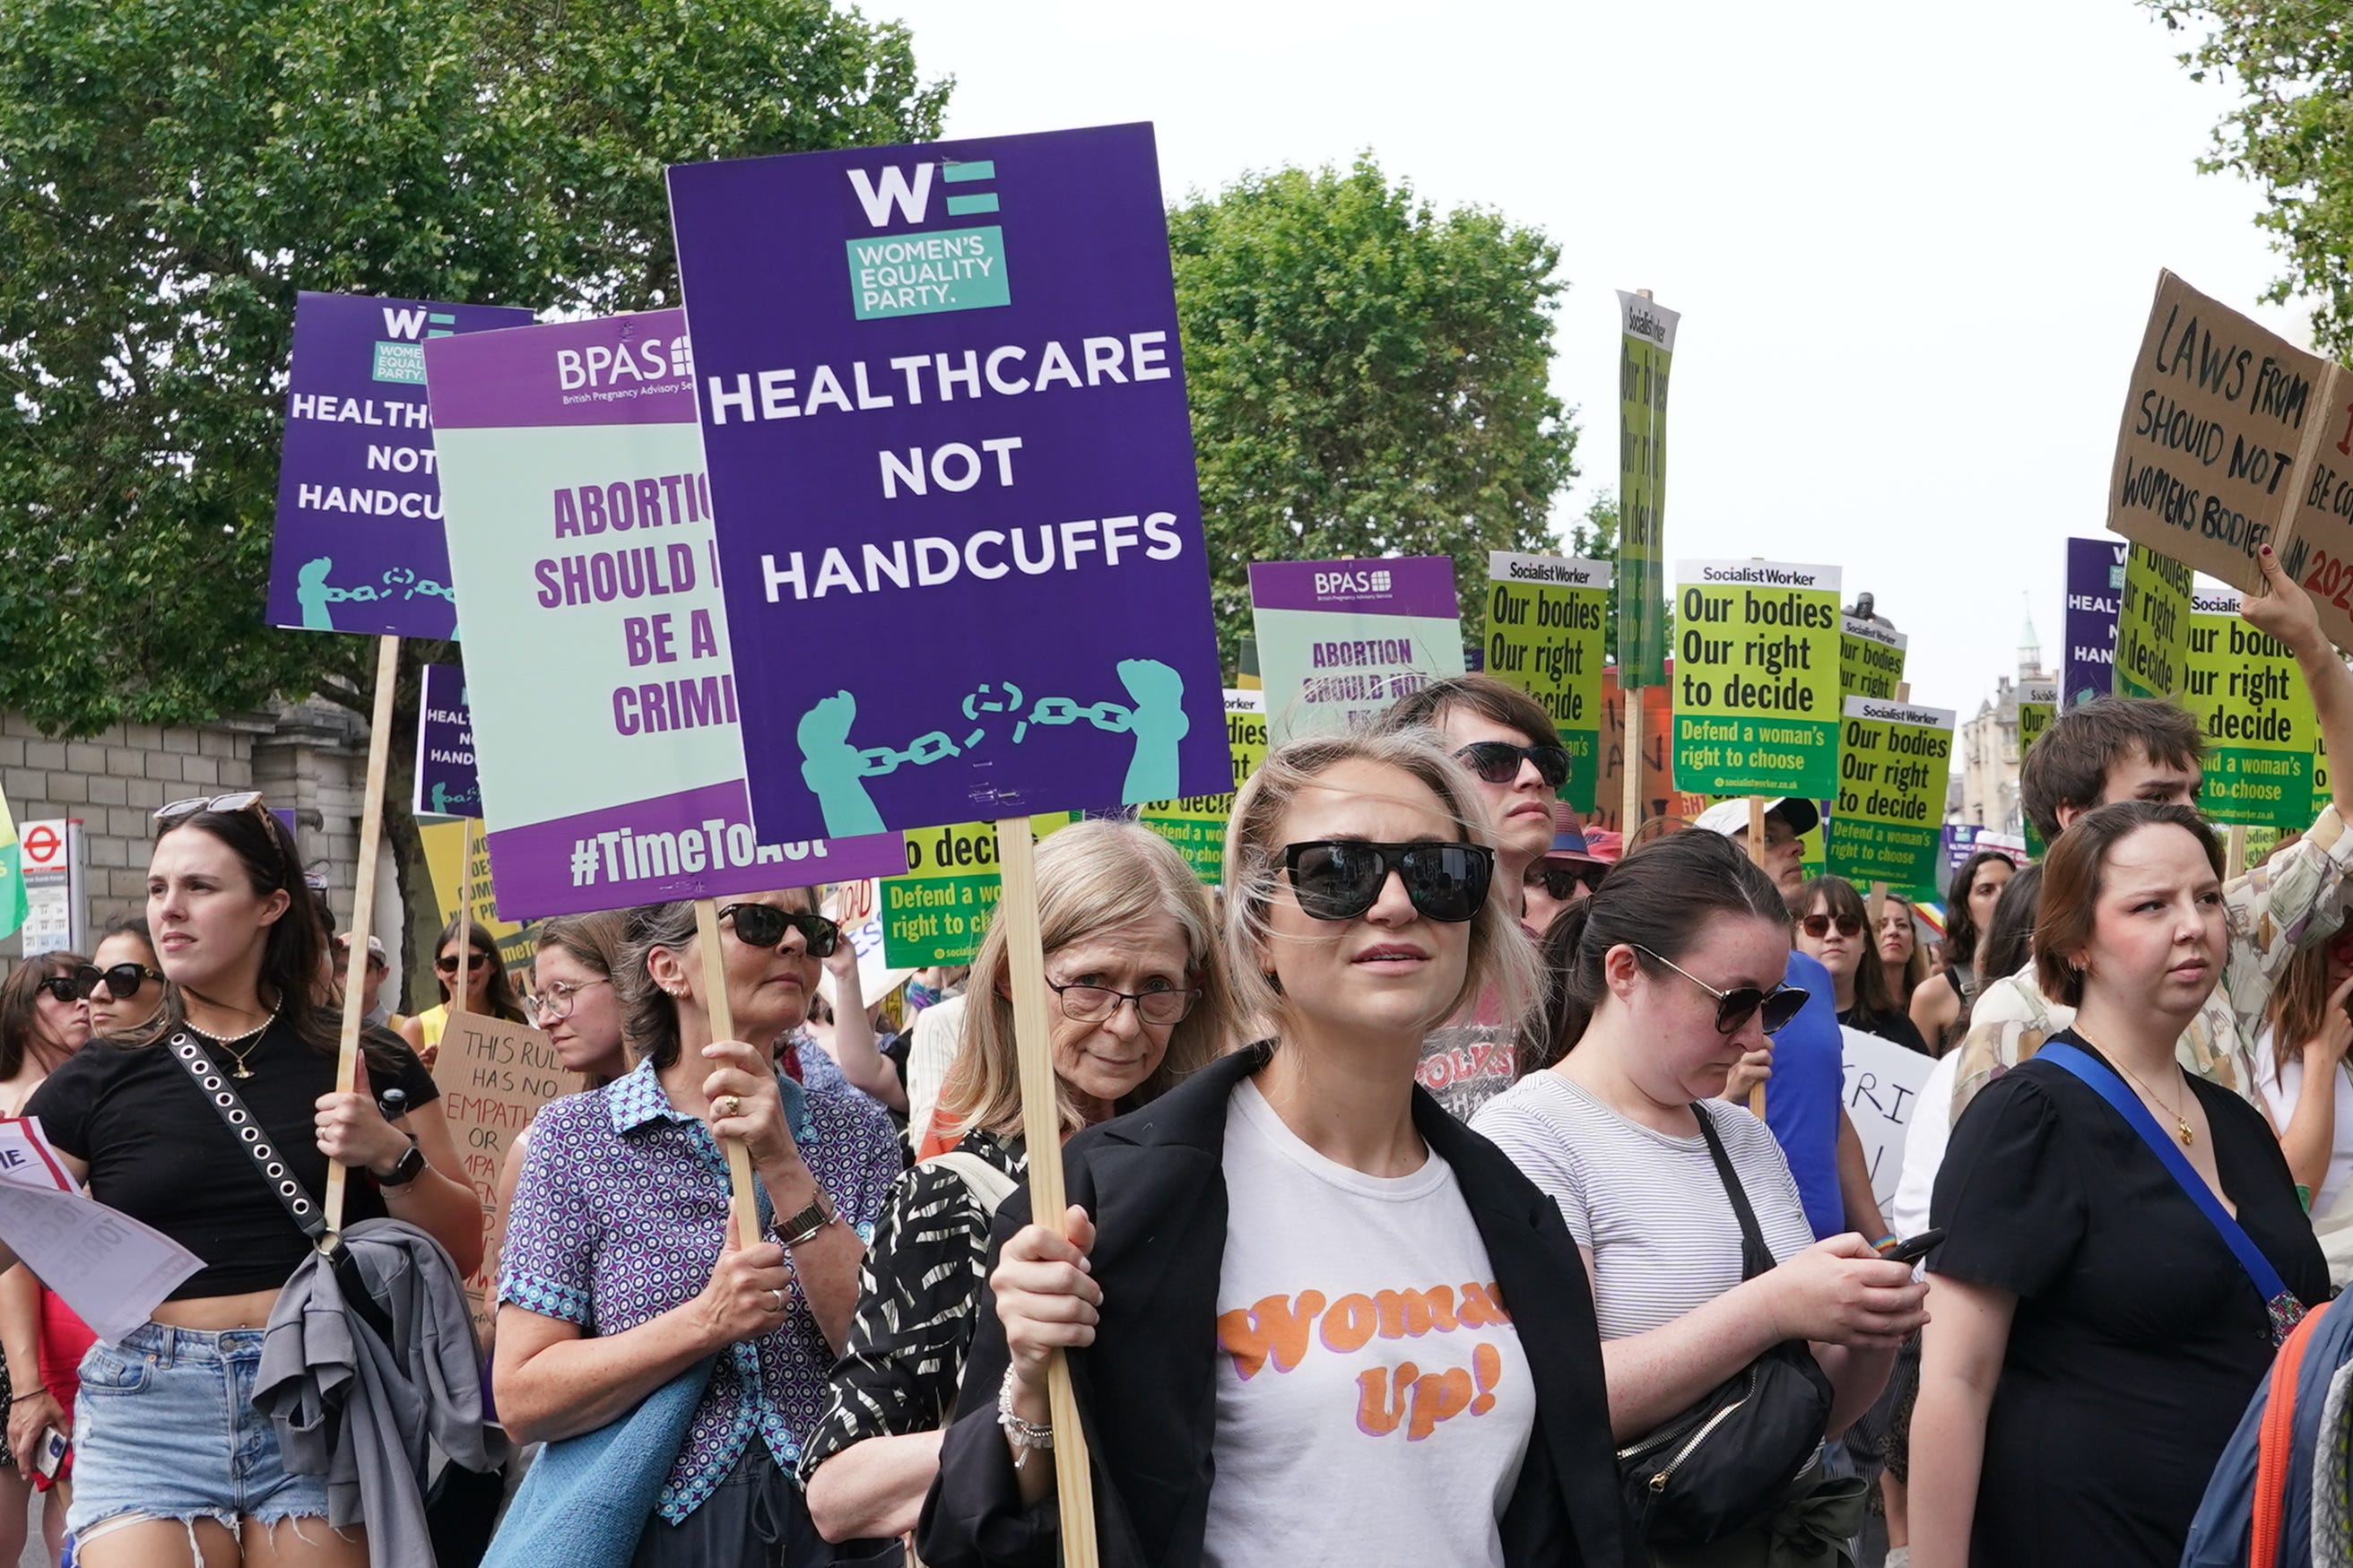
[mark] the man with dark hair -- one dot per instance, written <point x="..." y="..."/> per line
<point x="2114" y="748"/>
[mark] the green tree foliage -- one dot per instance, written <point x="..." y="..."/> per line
<point x="1366" y="377"/>
<point x="171" y="173"/>
<point x="2292" y="61"/>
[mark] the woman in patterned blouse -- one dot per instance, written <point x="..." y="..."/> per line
<point x="1131" y="953"/>
<point x="621" y="1270"/>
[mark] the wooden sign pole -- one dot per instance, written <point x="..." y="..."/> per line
<point x="2234" y="853"/>
<point x="465" y="977"/>
<point x="347" y="1055"/>
<point x="1757" y="850"/>
<point x="1041" y="1129"/>
<point x="743" y="1204"/>
<point x="1630" y="809"/>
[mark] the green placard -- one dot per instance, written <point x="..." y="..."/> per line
<point x="1756" y="679"/>
<point x="1546" y="617"/>
<point x="1871" y="659"/>
<point x="1196" y="825"/>
<point x="2038" y="709"/>
<point x="2152" y="626"/>
<point x="1887" y="824"/>
<point x="2251" y="704"/>
<point x="1646" y="351"/>
<point x="939" y="911"/>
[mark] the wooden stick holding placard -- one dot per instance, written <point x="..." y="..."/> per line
<point x="464" y="980"/>
<point x="347" y="1053"/>
<point x="2234" y="852"/>
<point x="1757" y="850"/>
<point x="1042" y="1130"/>
<point x="1630" y="810"/>
<point x="743" y="1202"/>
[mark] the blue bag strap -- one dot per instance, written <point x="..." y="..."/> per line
<point x="2105" y="1082"/>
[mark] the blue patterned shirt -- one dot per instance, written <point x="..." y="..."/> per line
<point x="618" y="1216"/>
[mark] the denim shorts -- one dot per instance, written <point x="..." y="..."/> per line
<point x="165" y="1429"/>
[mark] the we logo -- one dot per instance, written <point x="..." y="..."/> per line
<point x="413" y="326"/>
<point x="402" y="359"/>
<point x="916" y="274"/>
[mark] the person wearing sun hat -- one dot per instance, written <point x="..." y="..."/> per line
<point x="1567" y="872"/>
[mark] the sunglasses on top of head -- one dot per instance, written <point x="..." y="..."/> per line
<point x="1340" y="878"/>
<point x="764" y="925"/>
<point x="1818" y="926"/>
<point x="1498" y="762"/>
<point x="179" y="811"/>
<point x="122" y="981"/>
<point x="1734" y="1007"/>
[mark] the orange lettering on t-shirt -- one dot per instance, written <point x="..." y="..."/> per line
<point x="1487" y="1366"/>
<point x="1414" y="1312"/>
<point x="1274" y="1327"/>
<point x="1375" y="1416"/>
<point x="1482" y="1306"/>
<point x="1349" y="1325"/>
<point x="1436" y="1397"/>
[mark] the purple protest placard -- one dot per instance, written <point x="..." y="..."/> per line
<point x="598" y="664"/>
<point x="2095" y="580"/>
<point x="358" y="544"/>
<point x="958" y="525"/>
<point x="446" y="783"/>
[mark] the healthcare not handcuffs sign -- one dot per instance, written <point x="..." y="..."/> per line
<point x="941" y="395"/>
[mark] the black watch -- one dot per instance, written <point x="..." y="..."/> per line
<point x="404" y="1170"/>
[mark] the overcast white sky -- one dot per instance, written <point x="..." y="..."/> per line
<point x="1913" y="246"/>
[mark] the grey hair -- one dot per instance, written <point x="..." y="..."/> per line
<point x="649" y="1013"/>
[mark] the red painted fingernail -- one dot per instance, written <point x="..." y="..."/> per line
<point x="2267" y="550"/>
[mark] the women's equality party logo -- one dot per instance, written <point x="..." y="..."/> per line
<point x="927" y="272"/>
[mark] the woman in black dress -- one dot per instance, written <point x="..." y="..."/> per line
<point x="2092" y="1339"/>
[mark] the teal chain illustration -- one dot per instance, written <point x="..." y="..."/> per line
<point x="836" y="770"/>
<point x="315" y="593"/>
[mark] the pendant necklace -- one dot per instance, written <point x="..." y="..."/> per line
<point x="2180" y="1122"/>
<point x="230" y="1045"/>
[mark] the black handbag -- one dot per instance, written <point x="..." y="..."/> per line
<point x="1727" y="1462"/>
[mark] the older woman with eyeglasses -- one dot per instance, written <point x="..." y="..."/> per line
<point x="621" y="1268"/>
<point x="1139" y="1001"/>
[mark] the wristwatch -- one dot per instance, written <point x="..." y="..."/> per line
<point x="404" y="1170"/>
<point x="793" y="1229"/>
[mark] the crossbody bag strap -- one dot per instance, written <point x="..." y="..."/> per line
<point x="2105" y="1082"/>
<point x="1756" y="1257"/>
<point x="213" y="1084"/>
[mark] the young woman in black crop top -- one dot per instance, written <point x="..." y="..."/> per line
<point x="166" y="1439"/>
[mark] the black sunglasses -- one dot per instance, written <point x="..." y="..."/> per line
<point x="1498" y="762"/>
<point x="764" y="925"/>
<point x="1734" y="1007"/>
<point x="59" y="986"/>
<point x="448" y="962"/>
<point x="1558" y="881"/>
<point x="122" y="981"/>
<point x="1340" y="878"/>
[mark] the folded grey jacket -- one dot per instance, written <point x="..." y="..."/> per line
<point x="367" y="1414"/>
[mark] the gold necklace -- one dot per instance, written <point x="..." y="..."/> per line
<point x="2180" y="1122"/>
<point x="230" y="1045"/>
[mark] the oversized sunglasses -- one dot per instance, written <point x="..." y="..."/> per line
<point x="122" y="981"/>
<point x="1818" y="926"/>
<point x="60" y="988"/>
<point x="1340" y="878"/>
<point x="179" y="811"/>
<point x="1498" y="762"/>
<point x="764" y="925"/>
<point x="1560" y="882"/>
<point x="448" y="962"/>
<point x="1735" y="1008"/>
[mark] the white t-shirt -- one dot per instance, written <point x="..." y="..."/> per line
<point x="1374" y="1404"/>
<point x="1930" y="1128"/>
<point x="1665" y="1239"/>
<point x="2282" y="1084"/>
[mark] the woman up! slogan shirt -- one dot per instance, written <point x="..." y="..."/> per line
<point x="1374" y="1404"/>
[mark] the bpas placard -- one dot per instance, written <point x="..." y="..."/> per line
<point x="1545" y="628"/>
<point x="2250" y="703"/>
<point x="580" y="529"/>
<point x="1886" y="822"/>
<point x="941" y="394"/>
<point x="358" y="546"/>
<point x="2152" y="625"/>
<point x="1756" y="679"/>
<point x="1338" y="641"/>
<point x="447" y="785"/>
<point x="1196" y="825"/>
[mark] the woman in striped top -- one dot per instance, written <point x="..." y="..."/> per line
<point x="1139" y="1001"/>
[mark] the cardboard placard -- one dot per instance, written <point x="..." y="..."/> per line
<point x="1646" y="351"/>
<point x="2152" y="625"/>
<point x="494" y="1077"/>
<point x="1871" y="659"/>
<point x="2095" y="586"/>
<point x="580" y="532"/>
<point x="1196" y="826"/>
<point x="2250" y="703"/>
<point x="2233" y="438"/>
<point x="1338" y="641"/>
<point x="1756" y="679"/>
<point x="1885" y="825"/>
<point x="1883" y="1086"/>
<point x="942" y="391"/>
<point x="1656" y="760"/>
<point x="1544" y="635"/>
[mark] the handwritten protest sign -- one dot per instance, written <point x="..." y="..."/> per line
<point x="358" y="546"/>
<point x="1655" y="760"/>
<point x="942" y="391"/>
<point x="938" y="913"/>
<point x="1544" y="635"/>
<point x="2152" y="625"/>
<point x="2251" y="704"/>
<point x="2095" y="584"/>
<point x="447" y="785"/>
<point x="580" y="532"/>
<point x="1646" y="351"/>
<point x="2230" y="440"/>
<point x="1871" y="659"/>
<point x="1340" y="640"/>
<point x="1883" y="1081"/>
<point x="1886" y="822"/>
<point x="1756" y="679"/>
<point x="494" y="1077"/>
<point x="1196" y="826"/>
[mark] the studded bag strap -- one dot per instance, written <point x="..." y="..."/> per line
<point x="213" y="1084"/>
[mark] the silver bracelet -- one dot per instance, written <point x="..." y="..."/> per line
<point x="1027" y="1437"/>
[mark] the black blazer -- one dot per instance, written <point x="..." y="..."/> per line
<point x="1155" y="1184"/>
